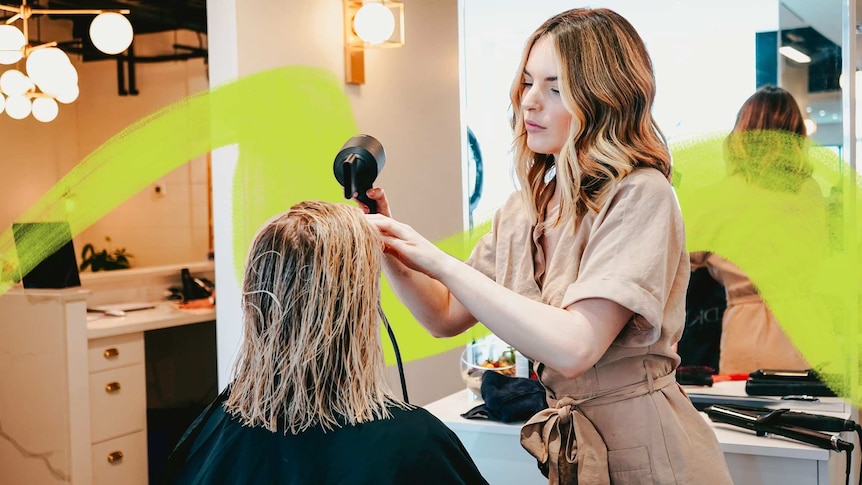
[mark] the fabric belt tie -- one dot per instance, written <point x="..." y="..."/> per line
<point x="562" y="431"/>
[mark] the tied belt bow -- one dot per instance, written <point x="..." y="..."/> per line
<point x="563" y="432"/>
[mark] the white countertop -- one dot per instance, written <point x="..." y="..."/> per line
<point x="164" y="315"/>
<point x="731" y="438"/>
<point x="832" y="406"/>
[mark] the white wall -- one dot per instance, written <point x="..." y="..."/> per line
<point x="703" y="55"/>
<point x="410" y="102"/>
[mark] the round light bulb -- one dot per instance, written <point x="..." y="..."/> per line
<point x="48" y="64"/>
<point x="374" y="23"/>
<point x="11" y="44"/>
<point x="14" y="83"/>
<point x="45" y="109"/>
<point x="18" y="107"/>
<point x="111" y="32"/>
<point x="2" y="103"/>
<point x="68" y="94"/>
<point x="810" y="126"/>
<point x="62" y="80"/>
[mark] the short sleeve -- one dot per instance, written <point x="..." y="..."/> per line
<point x="633" y="255"/>
<point x="484" y="255"/>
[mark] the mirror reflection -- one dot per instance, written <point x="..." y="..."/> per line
<point x="707" y="63"/>
<point x="167" y="222"/>
<point x="809" y="65"/>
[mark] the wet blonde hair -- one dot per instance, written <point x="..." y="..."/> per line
<point x="607" y="84"/>
<point x="311" y="353"/>
<point x="768" y="144"/>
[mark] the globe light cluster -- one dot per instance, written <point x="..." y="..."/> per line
<point x="48" y="76"/>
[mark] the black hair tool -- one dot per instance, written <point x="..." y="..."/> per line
<point x="771" y="424"/>
<point x="356" y="166"/>
<point x="791" y="417"/>
<point x="780" y="422"/>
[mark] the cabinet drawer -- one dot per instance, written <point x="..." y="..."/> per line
<point x="121" y="461"/>
<point x="118" y="403"/>
<point x="113" y="352"/>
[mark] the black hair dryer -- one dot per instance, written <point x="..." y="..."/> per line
<point x="356" y="166"/>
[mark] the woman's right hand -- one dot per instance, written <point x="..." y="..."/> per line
<point x="378" y="195"/>
<point x="408" y="246"/>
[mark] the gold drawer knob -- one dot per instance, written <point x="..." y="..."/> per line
<point x="111" y="353"/>
<point x="112" y="387"/>
<point x="115" y="457"/>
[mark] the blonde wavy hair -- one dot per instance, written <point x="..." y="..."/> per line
<point x="311" y="353"/>
<point x="607" y="84"/>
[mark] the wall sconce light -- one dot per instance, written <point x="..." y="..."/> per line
<point x="370" y="24"/>
<point x="50" y="76"/>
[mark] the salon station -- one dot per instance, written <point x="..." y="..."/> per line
<point x="115" y="342"/>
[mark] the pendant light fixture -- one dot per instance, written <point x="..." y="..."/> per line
<point x="47" y="75"/>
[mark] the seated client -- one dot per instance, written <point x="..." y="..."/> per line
<point x="309" y="402"/>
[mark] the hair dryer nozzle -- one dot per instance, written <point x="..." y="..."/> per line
<point x="357" y="165"/>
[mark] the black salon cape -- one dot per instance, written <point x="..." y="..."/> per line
<point x="411" y="447"/>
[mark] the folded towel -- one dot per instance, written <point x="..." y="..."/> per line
<point x="508" y="399"/>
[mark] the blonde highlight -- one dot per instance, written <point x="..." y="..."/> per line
<point x="611" y="98"/>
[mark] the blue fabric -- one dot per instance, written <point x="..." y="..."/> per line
<point x="508" y="399"/>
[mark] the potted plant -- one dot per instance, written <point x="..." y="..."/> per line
<point x="104" y="260"/>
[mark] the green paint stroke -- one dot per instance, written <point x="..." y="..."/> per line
<point x="799" y="247"/>
<point x="294" y="116"/>
<point x="289" y="123"/>
<point x="786" y="213"/>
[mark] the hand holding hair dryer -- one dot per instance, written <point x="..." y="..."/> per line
<point x="357" y="165"/>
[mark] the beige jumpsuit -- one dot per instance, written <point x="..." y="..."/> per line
<point x="751" y="337"/>
<point x="625" y="420"/>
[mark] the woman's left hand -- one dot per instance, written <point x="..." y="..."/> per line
<point x="413" y="250"/>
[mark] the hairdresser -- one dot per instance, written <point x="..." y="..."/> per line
<point x="766" y="150"/>
<point x="585" y="269"/>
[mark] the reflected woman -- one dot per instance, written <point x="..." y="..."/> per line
<point x="767" y="151"/>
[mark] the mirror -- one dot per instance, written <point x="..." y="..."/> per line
<point x="708" y="58"/>
<point x="810" y="65"/>
<point x="168" y="222"/>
